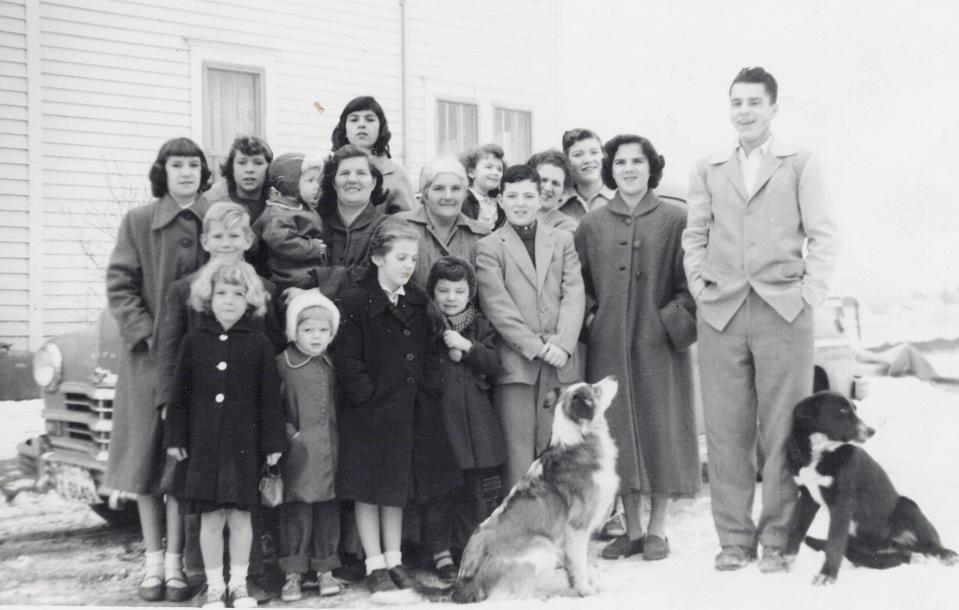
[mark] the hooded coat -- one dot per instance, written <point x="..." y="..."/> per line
<point x="645" y="321"/>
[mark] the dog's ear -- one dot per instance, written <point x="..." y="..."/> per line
<point x="807" y="408"/>
<point x="551" y="399"/>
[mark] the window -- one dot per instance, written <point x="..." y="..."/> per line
<point x="232" y="104"/>
<point x="512" y="130"/>
<point x="456" y="127"/>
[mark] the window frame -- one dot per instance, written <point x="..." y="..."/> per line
<point x="515" y="108"/>
<point x="448" y="100"/>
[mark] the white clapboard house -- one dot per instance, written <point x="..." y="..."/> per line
<point x="89" y="90"/>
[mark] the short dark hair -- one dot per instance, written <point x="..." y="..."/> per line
<point x="249" y="146"/>
<point x="655" y="160"/>
<point x="556" y="159"/>
<point x="578" y="134"/>
<point x="177" y="147"/>
<point x="454" y="269"/>
<point x="758" y="74"/>
<point x="327" y="203"/>
<point x="358" y="104"/>
<point x="519" y="173"/>
<point x="472" y="157"/>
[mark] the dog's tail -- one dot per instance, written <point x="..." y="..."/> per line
<point x="875" y="557"/>
<point x="416" y="595"/>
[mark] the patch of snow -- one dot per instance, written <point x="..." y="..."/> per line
<point x="21" y="420"/>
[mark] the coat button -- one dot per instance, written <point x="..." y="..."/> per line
<point x="628" y="221"/>
<point x="221" y="366"/>
<point x="410" y="381"/>
<point x="409" y="356"/>
<point x="223" y="337"/>
<point x="185" y="215"/>
<point x="219" y="398"/>
<point x="186" y="242"/>
<point x="637" y="243"/>
<point x="407" y="332"/>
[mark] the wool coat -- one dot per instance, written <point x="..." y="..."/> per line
<point x="156" y="244"/>
<point x="226" y="411"/>
<point x="461" y="242"/>
<point x="645" y="321"/>
<point x="396" y="183"/>
<point x="474" y="428"/>
<point x="179" y="318"/>
<point x="393" y="440"/>
<point x="471" y="208"/>
<point x="348" y="247"/>
<point x="558" y="220"/>
<point x="308" y="389"/>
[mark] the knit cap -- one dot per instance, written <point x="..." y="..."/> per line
<point x="304" y="300"/>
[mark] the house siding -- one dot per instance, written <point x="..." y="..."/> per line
<point x="118" y="78"/>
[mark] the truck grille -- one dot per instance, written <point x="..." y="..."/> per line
<point x="82" y="424"/>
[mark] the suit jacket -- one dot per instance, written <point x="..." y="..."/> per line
<point x="530" y="306"/>
<point x="735" y="241"/>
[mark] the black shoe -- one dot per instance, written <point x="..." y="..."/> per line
<point x="402" y="577"/>
<point x="447" y="573"/>
<point x="622" y="546"/>
<point x="380" y="580"/>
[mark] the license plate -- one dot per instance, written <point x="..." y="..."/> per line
<point x="74" y="483"/>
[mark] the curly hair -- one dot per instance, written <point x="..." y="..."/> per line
<point x="228" y="214"/>
<point x="454" y="269"/>
<point x="177" y="147"/>
<point x="758" y="75"/>
<point x="519" y="173"/>
<point x="556" y="159"/>
<point x="249" y="146"/>
<point x="228" y="272"/>
<point x="327" y="203"/>
<point x="578" y="134"/>
<point x="656" y="161"/>
<point x="359" y="104"/>
<point x="472" y="157"/>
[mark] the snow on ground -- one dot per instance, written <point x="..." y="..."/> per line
<point x="915" y="441"/>
<point x="20" y="420"/>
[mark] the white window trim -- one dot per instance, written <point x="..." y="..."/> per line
<point x="226" y="55"/>
<point x="445" y="91"/>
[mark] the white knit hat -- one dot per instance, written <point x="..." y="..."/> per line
<point x="309" y="298"/>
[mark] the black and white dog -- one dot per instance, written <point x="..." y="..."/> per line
<point x="869" y="522"/>
<point x="547" y="518"/>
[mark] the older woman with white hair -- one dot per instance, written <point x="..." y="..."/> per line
<point x="444" y="229"/>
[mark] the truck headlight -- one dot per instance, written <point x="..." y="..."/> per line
<point x="48" y="367"/>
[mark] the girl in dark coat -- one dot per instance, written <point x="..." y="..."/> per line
<point x="469" y="361"/>
<point x="225" y="416"/>
<point x="156" y="244"/>
<point x="393" y="444"/>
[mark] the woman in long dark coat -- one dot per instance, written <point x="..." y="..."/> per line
<point x="641" y="322"/>
<point x="156" y="244"/>
<point x="393" y="442"/>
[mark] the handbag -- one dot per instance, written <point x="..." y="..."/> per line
<point x="271" y="486"/>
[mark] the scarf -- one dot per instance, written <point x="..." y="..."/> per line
<point x="459" y="322"/>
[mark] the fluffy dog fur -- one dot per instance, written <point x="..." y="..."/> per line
<point x="869" y="522"/>
<point x="547" y="518"/>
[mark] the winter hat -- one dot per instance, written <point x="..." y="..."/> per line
<point x="284" y="174"/>
<point x="304" y="300"/>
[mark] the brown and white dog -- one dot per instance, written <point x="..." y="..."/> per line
<point x="547" y="518"/>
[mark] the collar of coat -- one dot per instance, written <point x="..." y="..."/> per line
<point x="777" y="148"/>
<point x="647" y="204"/>
<point x="167" y="210"/>
<point x="370" y="213"/>
<point x="419" y="216"/>
<point x="545" y="242"/>
<point x="210" y="324"/>
<point x="379" y="302"/>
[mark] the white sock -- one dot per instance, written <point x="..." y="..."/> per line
<point x="238" y="574"/>
<point x="393" y="558"/>
<point x="214" y="578"/>
<point x="173" y="564"/>
<point x="154" y="563"/>
<point x="375" y="563"/>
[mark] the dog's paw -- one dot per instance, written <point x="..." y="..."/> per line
<point x="823" y="579"/>
<point x="585" y="590"/>
<point x="949" y="558"/>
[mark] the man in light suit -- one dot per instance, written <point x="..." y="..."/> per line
<point x="752" y="208"/>
<point x="531" y="289"/>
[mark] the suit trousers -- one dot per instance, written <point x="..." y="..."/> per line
<point x="527" y="422"/>
<point x="309" y="535"/>
<point x="752" y="374"/>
